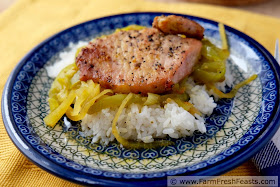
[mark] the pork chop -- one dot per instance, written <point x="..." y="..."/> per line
<point x="138" y="61"/>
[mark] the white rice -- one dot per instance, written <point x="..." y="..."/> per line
<point x="200" y="98"/>
<point x="66" y="58"/>
<point x="144" y="123"/>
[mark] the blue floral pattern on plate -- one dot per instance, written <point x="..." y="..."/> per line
<point x="237" y="128"/>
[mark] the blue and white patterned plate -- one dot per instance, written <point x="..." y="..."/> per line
<point x="236" y="130"/>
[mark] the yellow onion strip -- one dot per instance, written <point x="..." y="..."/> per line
<point x="55" y="115"/>
<point x="192" y="110"/>
<point x="133" y="144"/>
<point x="106" y="102"/>
<point x="61" y="85"/>
<point x="223" y="36"/>
<point x="86" y="106"/>
<point x="53" y="103"/>
<point x="83" y="93"/>
<point x="185" y="105"/>
<point x="233" y="92"/>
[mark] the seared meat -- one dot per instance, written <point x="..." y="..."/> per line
<point x="178" y="25"/>
<point x="138" y="61"/>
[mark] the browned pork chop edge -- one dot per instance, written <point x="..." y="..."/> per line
<point x="179" y="25"/>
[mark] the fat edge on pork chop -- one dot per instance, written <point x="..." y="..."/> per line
<point x="141" y="61"/>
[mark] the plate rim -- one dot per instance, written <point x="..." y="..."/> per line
<point x="229" y="163"/>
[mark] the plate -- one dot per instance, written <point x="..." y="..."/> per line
<point x="236" y="130"/>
